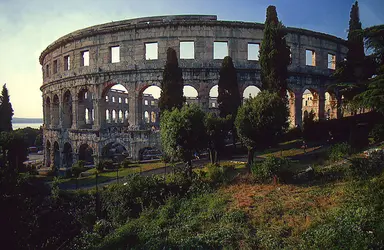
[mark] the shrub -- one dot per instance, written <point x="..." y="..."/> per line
<point x="78" y="168"/>
<point x="126" y="163"/>
<point x="377" y="133"/>
<point x="362" y="168"/>
<point x="105" y="164"/>
<point x="273" y="166"/>
<point x="218" y="174"/>
<point x="339" y="151"/>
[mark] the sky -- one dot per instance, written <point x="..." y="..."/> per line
<point x="27" y="27"/>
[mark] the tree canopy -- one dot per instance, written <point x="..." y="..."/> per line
<point x="183" y="133"/>
<point x="274" y="54"/>
<point x="6" y="111"/>
<point x="172" y="85"/>
<point x="261" y="120"/>
<point x="229" y="95"/>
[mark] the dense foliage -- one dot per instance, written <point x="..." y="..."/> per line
<point x="228" y="98"/>
<point x="6" y="111"/>
<point x="183" y="133"/>
<point x="274" y="55"/>
<point x="172" y="84"/>
<point x="216" y="129"/>
<point x="260" y="121"/>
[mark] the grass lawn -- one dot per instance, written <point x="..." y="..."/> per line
<point x="110" y="175"/>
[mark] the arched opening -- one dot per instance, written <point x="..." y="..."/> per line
<point x="114" y="117"/>
<point x="121" y="118"/>
<point x="67" y="155"/>
<point x="153" y="117"/>
<point x="85" y="109"/>
<point x="47" y="115"/>
<point x="48" y="154"/>
<point x="55" y="111"/>
<point x="149" y="153"/>
<point x="330" y="106"/>
<point x="67" y="110"/>
<point x="148" y="103"/>
<point x="114" y="151"/>
<point x="146" y="116"/>
<point x="291" y="107"/>
<point x="56" y="155"/>
<point x="213" y="94"/>
<point x="113" y="105"/>
<point x="310" y="102"/>
<point x="86" y="154"/>
<point x="190" y="94"/>
<point x="250" y="91"/>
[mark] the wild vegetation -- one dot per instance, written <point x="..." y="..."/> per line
<point x="327" y="195"/>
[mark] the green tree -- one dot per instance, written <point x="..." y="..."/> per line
<point x="172" y="85"/>
<point x="183" y="133"/>
<point x="260" y="121"/>
<point x="6" y="111"/>
<point x="373" y="96"/>
<point x="228" y="99"/>
<point x="229" y="95"/>
<point x="274" y="54"/>
<point x="216" y="130"/>
<point x="352" y="73"/>
<point x="14" y="150"/>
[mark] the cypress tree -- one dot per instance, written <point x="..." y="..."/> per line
<point x="172" y="85"/>
<point x="229" y="96"/>
<point x="6" y="111"/>
<point x="355" y="52"/>
<point x="274" y="55"/>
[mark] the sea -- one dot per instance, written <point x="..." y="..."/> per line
<point x="24" y="125"/>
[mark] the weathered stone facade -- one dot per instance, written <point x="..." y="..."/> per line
<point x="71" y="120"/>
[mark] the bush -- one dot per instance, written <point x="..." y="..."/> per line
<point x="339" y="151"/>
<point x="377" y="133"/>
<point x="273" y="166"/>
<point x="105" y="164"/>
<point x="126" y="163"/>
<point x="218" y="174"/>
<point x="362" y="168"/>
<point x="78" y="168"/>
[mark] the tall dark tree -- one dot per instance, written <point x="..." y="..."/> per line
<point x="352" y="73"/>
<point x="229" y="96"/>
<point x="274" y="55"/>
<point x="6" y="111"/>
<point x="172" y="84"/>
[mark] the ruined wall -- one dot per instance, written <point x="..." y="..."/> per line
<point x="136" y="73"/>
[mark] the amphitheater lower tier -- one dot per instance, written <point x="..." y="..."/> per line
<point x="86" y="117"/>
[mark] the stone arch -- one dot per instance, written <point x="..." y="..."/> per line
<point x="146" y="117"/>
<point x="310" y="101"/>
<point x="251" y="90"/>
<point x="114" y="150"/>
<point x="56" y="155"/>
<point x="148" y="100"/>
<point x="85" y="108"/>
<point x="86" y="154"/>
<point x="47" y="111"/>
<point x="330" y="104"/>
<point x="55" y="111"/>
<point x="112" y="95"/>
<point x="67" y="155"/>
<point x="191" y="94"/>
<point x="149" y="153"/>
<point x="213" y="94"/>
<point x="67" y="115"/>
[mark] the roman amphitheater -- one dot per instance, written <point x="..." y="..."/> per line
<point x="84" y="114"/>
